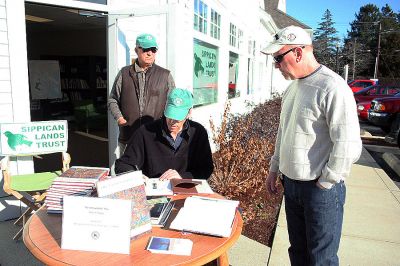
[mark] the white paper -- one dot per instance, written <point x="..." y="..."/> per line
<point x="44" y="79"/>
<point x="204" y="187"/>
<point x="96" y="224"/>
<point x="206" y="215"/>
<point x="119" y="183"/>
<point x="156" y="187"/>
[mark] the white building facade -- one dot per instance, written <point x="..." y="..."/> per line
<point x="212" y="48"/>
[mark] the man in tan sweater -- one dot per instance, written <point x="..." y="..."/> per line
<point x="318" y="140"/>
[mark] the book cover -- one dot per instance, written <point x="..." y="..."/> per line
<point x="86" y="172"/>
<point x="129" y="186"/>
<point x="157" y="206"/>
<point x="160" y="210"/>
<point x="164" y="245"/>
<point x="185" y="186"/>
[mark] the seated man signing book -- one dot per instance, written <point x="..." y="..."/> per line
<point x="170" y="147"/>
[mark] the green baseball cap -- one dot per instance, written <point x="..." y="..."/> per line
<point x="146" y="40"/>
<point x="179" y="102"/>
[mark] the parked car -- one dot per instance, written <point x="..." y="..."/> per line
<point x="362" y="110"/>
<point x="376" y="91"/>
<point x="394" y="133"/>
<point x="359" y="84"/>
<point x="384" y="111"/>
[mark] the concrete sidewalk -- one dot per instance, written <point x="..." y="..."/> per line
<point x="371" y="228"/>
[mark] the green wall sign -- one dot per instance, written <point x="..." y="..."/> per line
<point x="33" y="137"/>
<point x="205" y="73"/>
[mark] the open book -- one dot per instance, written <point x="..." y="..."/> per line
<point x="203" y="215"/>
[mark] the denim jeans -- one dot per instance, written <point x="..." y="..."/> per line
<point x="314" y="218"/>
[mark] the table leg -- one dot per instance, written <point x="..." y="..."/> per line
<point x="223" y="260"/>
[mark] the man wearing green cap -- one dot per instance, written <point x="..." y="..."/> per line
<point x="170" y="147"/>
<point x="140" y="90"/>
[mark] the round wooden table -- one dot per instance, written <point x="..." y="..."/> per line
<point x="42" y="236"/>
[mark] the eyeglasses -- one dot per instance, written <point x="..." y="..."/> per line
<point x="278" y="59"/>
<point x="152" y="49"/>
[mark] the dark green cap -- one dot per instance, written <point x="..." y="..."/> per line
<point x="146" y="40"/>
<point x="179" y="102"/>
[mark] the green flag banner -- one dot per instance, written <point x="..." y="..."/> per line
<point x="205" y="73"/>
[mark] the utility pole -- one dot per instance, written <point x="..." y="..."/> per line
<point x="378" y="51"/>
<point x="354" y="58"/>
<point x="337" y="57"/>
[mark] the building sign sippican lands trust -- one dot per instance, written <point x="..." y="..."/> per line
<point x="33" y="137"/>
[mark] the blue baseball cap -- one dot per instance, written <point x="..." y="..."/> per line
<point x="179" y="102"/>
<point x="146" y="40"/>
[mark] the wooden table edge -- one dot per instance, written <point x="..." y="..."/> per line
<point x="220" y="253"/>
<point x="35" y="251"/>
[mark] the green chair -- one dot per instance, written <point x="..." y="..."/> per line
<point x="15" y="142"/>
<point x="87" y="116"/>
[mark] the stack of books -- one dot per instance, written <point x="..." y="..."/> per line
<point x="76" y="181"/>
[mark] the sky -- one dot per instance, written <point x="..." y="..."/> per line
<point x="310" y="12"/>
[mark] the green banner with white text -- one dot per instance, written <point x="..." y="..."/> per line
<point x="33" y="137"/>
<point x="205" y="73"/>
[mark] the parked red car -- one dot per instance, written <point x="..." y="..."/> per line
<point x="376" y="91"/>
<point x="384" y="111"/>
<point x="359" y="84"/>
<point x="362" y="110"/>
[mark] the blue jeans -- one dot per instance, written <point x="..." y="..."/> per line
<point x="314" y="218"/>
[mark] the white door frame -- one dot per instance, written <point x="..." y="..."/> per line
<point x="72" y="4"/>
<point x="112" y="36"/>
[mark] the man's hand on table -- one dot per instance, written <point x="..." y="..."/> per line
<point x="170" y="174"/>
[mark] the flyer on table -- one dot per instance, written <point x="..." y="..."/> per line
<point x="96" y="224"/>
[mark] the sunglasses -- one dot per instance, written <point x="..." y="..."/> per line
<point x="152" y="49"/>
<point x="278" y="59"/>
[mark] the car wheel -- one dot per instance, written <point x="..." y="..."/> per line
<point x="398" y="140"/>
<point x="386" y="129"/>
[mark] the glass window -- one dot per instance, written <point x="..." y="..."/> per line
<point x="250" y="47"/>
<point x="232" y="35"/>
<point x="233" y="73"/>
<point x="240" y="38"/>
<point x="200" y="16"/>
<point x="215" y="24"/>
<point x="250" y="76"/>
<point x="205" y="73"/>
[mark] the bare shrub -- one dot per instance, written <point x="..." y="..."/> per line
<point x="245" y="145"/>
